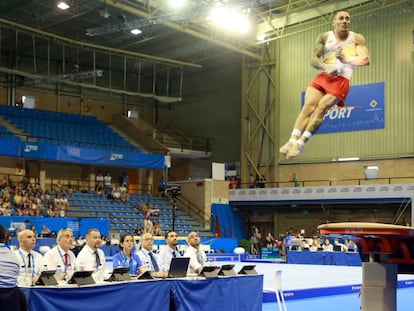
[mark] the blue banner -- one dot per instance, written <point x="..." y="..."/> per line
<point x="44" y="151"/>
<point x="364" y="110"/>
<point x="33" y="150"/>
<point x="105" y="157"/>
<point x="10" y="147"/>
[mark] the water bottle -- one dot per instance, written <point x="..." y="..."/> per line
<point x="25" y="277"/>
<point x="59" y="273"/>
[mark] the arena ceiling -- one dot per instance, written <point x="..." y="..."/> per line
<point x="94" y="34"/>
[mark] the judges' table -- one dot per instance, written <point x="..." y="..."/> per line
<point x="229" y="293"/>
<point x="324" y="258"/>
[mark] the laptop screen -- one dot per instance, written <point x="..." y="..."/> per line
<point x="178" y="267"/>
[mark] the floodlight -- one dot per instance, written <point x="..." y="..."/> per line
<point x="63" y="5"/>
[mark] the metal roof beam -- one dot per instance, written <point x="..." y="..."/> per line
<point x="191" y="32"/>
<point x="290" y="19"/>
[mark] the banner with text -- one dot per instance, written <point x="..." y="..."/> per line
<point x="363" y="110"/>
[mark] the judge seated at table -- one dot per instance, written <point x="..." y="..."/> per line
<point x="327" y="246"/>
<point x="198" y="258"/>
<point x="91" y="257"/>
<point x="126" y="257"/>
<point x="304" y="246"/>
<point x="315" y="245"/>
<point x="339" y="247"/>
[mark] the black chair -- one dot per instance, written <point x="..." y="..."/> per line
<point x="12" y="299"/>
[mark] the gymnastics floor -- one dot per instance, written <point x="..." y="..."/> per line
<point x="321" y="287"/>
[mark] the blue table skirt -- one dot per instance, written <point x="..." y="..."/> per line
<point x="324" y="258"/>
<point x="240" y="293"/>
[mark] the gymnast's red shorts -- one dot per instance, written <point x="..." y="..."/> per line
<point x="336" y="85"/>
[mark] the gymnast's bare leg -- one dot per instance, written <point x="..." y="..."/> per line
<point x="308" y="121"/>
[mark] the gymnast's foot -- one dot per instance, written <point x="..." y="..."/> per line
<point x="286" y="147"/>
<point x="295" y="150"/>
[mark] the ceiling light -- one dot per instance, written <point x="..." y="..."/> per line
<point x="104" y="13"/>
<point x="63" y="5"/>
<point x="348" y="159"/>
<point x="177" y="3"/>
<point x="136" y="31"/>
<point x="261" y="37"/>
<point x="230" y="19"/>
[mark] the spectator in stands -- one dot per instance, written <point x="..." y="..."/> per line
<point x="352" y="247"/>
<point x="18" y="201"/>
<point x="125" y="180"/>
<point x="126" y="257"/>
<point x="304" y="245"/>
<point x="45" y="232"/>
<point x="252" y="181"/>
<point x="339" y="246"/>
<point x="59" y="188"/>
<point x="65" y="209"/>
<point x="327" y="246"/>
<point x="91" y="257"/>
<point x="138" y="230"/>
<point x="270" y="240"/>
<point x="233" y="183"/>
<point x="162" y="185"/>
<point x="148" y="257"/>
<point x="80" y="241"/>
<point x="4" y="182"/>
<point x="104" y="241"/>
<point x="287" y="241"/>
<point x="124" y="193"/>
<point x="50" y="211"/>
<point x="262" y="182"/>
<point x="9" y="264"/>
<point x="116" y="194"/>
<point x="255" y="238"/>
<point x="69" y="188"/>
<point x="114" y="240"/>
<point x="169" y="251"/>
<point x="5" y="206"/>
<point x="108" y="183"/>
<point x="315" y="244"/>
<point x="24" y="182"/>
<point x="99" y="187"/>
<point x="26" y="204"/>
<point x="238" y="181"/>
<point x="29" y="260"/>
<point x="148" y="212"/>
<point x="295" y="180"/>
<point x="197" y="257"/>
<point x="33" y="228"/>
<point x="61" y="255"/>
<point x="157" y="229"/>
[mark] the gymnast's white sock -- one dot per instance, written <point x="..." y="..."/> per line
<point x="296" y="133"/>
<point x="307" y="135"/>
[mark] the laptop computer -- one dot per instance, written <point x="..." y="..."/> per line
<point x="178" y="267"/>
<point x="47" y="278"/>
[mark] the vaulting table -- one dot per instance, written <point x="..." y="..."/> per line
<point x="391" y="251"/>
